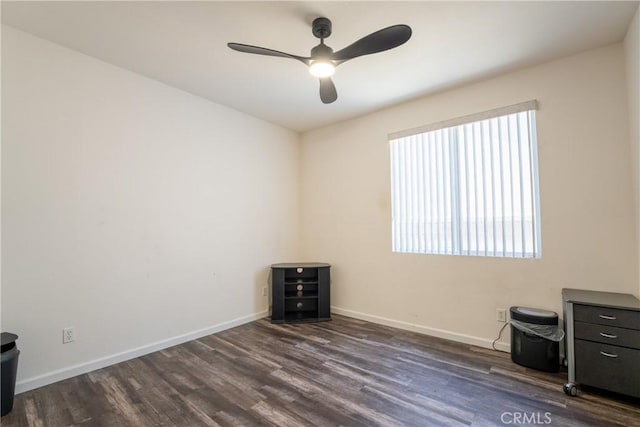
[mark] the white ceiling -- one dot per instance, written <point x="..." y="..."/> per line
<point x="183" y="44"/>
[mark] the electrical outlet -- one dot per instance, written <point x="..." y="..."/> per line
<point x="264" y="292"/>
<point x="501" y="315"/>
<point x="68" y="335"/>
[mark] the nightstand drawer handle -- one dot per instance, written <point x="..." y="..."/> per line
<point x="608" y="354"/>
<point x="299" y="305"/>
<point x="605" y="317"/>
<point x="602" y="334"/>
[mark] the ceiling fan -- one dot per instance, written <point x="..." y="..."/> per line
<point x="323" y="60"/>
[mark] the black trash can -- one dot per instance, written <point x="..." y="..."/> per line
<point x="8" y="369"/>
<point x="529" y="346"/>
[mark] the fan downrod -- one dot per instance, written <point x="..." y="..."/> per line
<point x="321" y="28"/>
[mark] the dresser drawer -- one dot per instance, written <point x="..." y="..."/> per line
<point x="608" y="367"/>
<point x="607" y="316"/>
<point x="607" y="334"/>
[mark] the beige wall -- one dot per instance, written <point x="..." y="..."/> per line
<point x="585" y="189"/>
<point x="632" y="57"/>
<point x="137" y="213"/>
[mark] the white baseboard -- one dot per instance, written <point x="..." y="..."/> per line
<point x="440" y="333"/>
<point x="83" y="368"/>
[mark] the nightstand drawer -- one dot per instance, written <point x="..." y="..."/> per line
<point x="607" y="335"/>
<point x="300" y="273"/>
<point x="301" y="304"/>
<point x="608" y="367"/>
<point x="607" y="316"/>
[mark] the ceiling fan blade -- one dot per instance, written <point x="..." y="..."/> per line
<point x="264" y="51"/>
<point x="328" y="92"/>
<point x="381" y="40"/>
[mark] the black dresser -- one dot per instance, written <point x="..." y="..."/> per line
<point x="603" y="341"/>
<point x="300" y="292"/>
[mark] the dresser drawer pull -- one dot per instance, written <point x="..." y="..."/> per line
<point x="605" y="317"/>
<point x="602" y="334"/>
<point x="604" y="353"/>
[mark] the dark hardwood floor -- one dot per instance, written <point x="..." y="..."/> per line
<point x="344" y="372"/>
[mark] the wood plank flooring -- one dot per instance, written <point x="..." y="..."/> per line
<point x="344" y="372"/>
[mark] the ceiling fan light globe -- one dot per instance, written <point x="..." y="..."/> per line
<point x="322" y="69"/>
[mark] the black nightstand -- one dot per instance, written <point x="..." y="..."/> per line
<point x="300" y="292"/>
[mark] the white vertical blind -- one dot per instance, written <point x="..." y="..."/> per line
<point x="468" y="189"/>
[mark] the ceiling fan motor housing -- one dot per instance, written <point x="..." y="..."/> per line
<point x="322" y="51"/>
<point x="321" y="27"/>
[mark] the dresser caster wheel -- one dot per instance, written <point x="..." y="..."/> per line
<point x="570" y="389"/>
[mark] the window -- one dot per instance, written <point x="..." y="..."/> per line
<point x="468" y="186"/>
